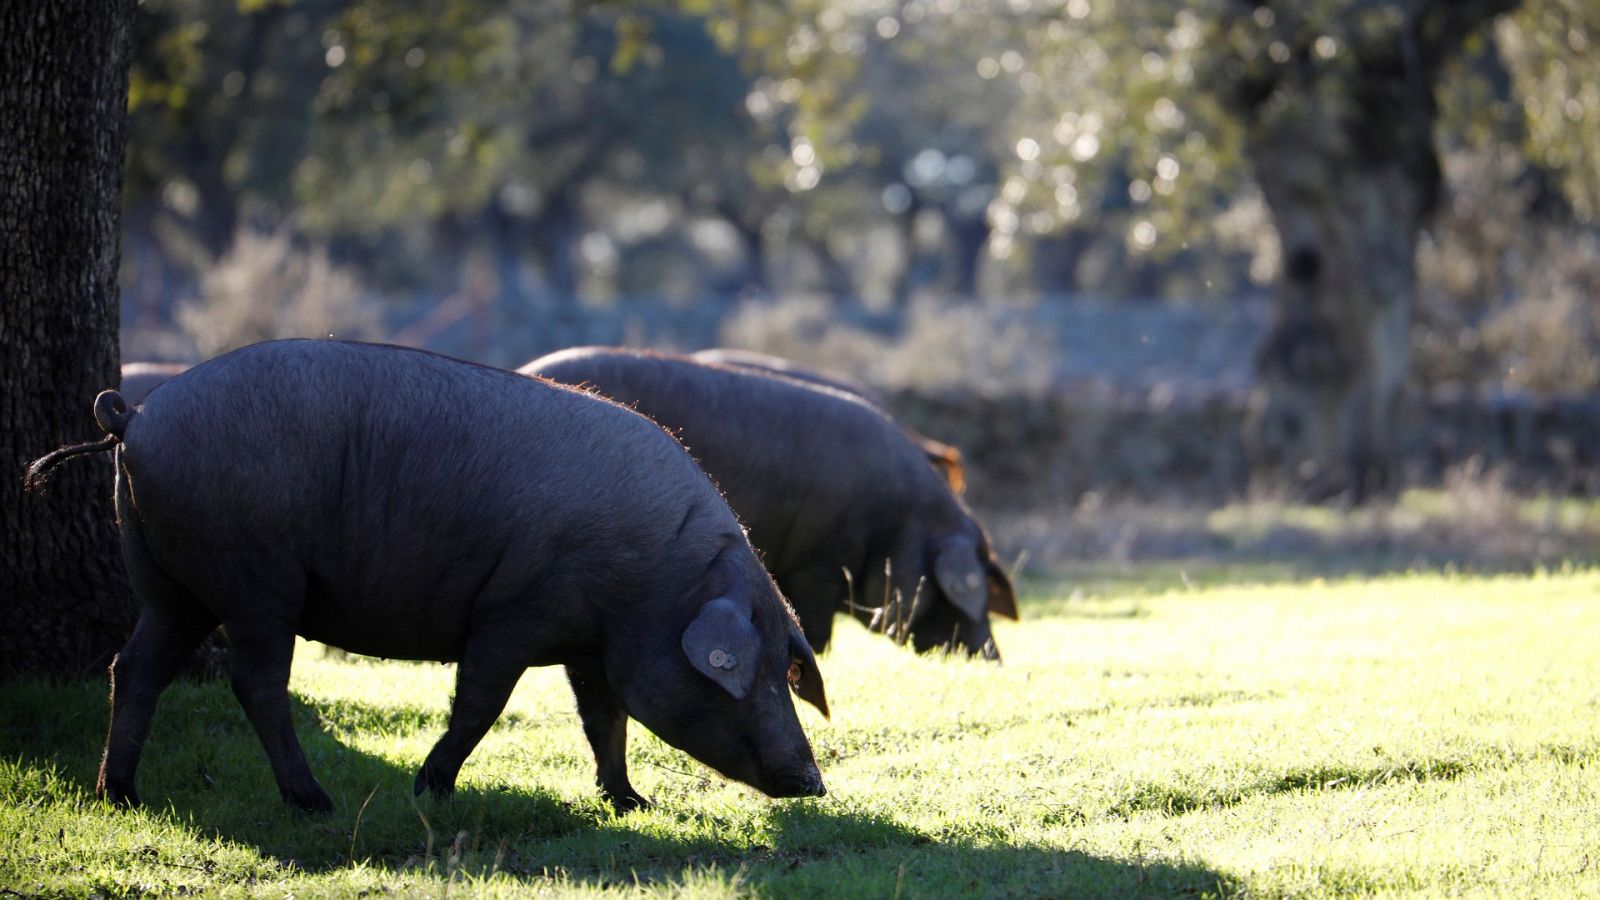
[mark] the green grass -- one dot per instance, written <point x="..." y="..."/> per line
<point x="1419" y="734"/>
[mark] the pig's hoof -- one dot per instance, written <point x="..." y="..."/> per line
<point x="627" y="802"/>
<point x="430" y="780"/>
<point x="311" y="799"/>
<point x="124" y="798"/>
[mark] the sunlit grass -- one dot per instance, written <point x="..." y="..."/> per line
<point x="1411" y="734"/>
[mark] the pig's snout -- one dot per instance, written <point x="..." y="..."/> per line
<point x="789" y="775"/>
<point x="804" y="783"/>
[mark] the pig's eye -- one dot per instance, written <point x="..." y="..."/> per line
<point x="794" y="673"/>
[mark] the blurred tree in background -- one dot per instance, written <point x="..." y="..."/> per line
<point x="1329" y="109"/>
<point x="1555" y="65"/>
<point x="527" y="163"/>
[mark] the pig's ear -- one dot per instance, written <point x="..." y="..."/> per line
<point x="947" y="460"/>
<point x="1002" y="596"/>
<point x="805" y="679"/>
<point x="961" y="577"/>
<point x="723" y="644"/>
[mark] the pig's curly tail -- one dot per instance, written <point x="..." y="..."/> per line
<point x="112" y="412"/>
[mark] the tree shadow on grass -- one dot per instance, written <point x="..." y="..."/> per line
<point x="205" y="768"/>
<point x="205" y="771"/>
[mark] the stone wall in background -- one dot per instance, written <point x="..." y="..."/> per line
<point x="1026" y="451"/>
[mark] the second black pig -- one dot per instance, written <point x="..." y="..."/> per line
<point x="842" y="504"/>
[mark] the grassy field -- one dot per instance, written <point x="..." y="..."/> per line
<point x="1420" y="734"/>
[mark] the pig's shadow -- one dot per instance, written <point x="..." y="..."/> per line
<point x="205" y="770"/>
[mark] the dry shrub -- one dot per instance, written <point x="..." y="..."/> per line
<point x="1549" y="340"/>
<point x="1477" y="521"/>
<point x="1479" y="497"/>
<point x="1508" y="288"/>
<point x="938" y="345"/>
<point x="265" y="287"/>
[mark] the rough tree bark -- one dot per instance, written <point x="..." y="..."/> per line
<point x="63" y="123"/>
<point x="1339" y="134"/>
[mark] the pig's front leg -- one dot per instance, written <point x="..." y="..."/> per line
<point x="484" y="681"/>
<point x="815" y="593"/>
<point x="606" y="725"/>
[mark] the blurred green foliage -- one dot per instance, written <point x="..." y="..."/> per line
<point x="864" y="149"/>
<point x="1551" y="47"/>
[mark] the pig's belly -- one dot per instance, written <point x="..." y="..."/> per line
<point x="394" y="625"/>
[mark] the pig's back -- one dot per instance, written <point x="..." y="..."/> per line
<point x="307" y="414"/>
<point x="752" y="424"/>
<point x="801" y="464"/>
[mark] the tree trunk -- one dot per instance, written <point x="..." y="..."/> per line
<point x="754" y="243"/>
<point x="908" y="278"/>
<point x="1056" y="258"/>
<point x="555" y="234"/>
<point x="1342" y="147"/>
<point x="1339" y="353"/>
<point x="63" y="102"/>
<point x="967" y="237"/>
<point x="749" y="226"/>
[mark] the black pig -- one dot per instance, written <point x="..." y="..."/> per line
<point x="840" y="501"/>
<point x="402" y="504"/>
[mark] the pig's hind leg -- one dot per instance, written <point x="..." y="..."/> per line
<point x="491" y="664"/>
<point x="260" y="651"/>
<point x="161" y="643"/>
<point x="605" y="724"/>
<point x="171" y="624"/>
